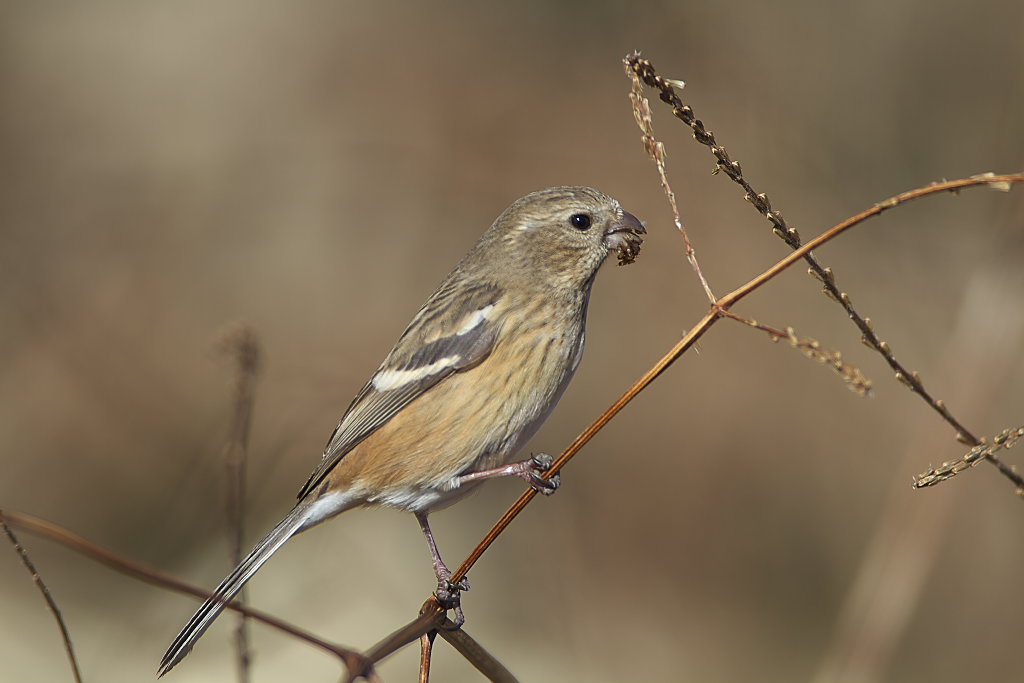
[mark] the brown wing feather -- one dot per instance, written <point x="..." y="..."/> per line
<point x="434" y="346"/>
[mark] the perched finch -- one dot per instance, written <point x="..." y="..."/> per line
<point x="470" y="380"/>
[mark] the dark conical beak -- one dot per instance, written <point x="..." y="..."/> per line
<point x="624" y="235"/>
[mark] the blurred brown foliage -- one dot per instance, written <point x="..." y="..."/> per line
<point x="315" y="168"/>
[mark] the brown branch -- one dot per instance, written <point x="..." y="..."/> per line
<point x="432" y="620"/>
<point x="469" y="648"/>
<point x="359" y="665"/>
<point x="426" y="649"/>
<point x="718" y="309"/>
<point x="356" y="663"/>
<point x="51" y="604"/>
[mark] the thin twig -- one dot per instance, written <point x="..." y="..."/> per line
<point x="426" y="649"/>
<point x="355" y="662"/>
<point x="469" y="648"/>
<point x="656" y="151"/>
<point x="243" y="346"/>
<point x="430" y="620"/>
<point x="717" y="311"/>
<point x="359" y="665"/>
<point x="947" y="470"/>
<point x="50" y="602"/>
<point x="852" y="376"/>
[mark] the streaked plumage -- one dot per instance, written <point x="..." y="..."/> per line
<point x="477" y="371"/>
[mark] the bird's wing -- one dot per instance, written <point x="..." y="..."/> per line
<point x="453" y="331"/>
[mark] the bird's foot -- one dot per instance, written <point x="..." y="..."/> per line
<point x="534" y="468"/>
<point x="449" y="595"/>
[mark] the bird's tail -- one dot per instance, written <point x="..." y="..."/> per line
<point x="304" y="515"/>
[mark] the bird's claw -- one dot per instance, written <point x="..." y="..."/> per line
<point x="539" y="464"/>
<point x="453" y="589"/>
<point x="449" y="596"/>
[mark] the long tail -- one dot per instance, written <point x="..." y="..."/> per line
<point x="301" y="517"/>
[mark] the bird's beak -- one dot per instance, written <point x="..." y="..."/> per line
<point x="625" y="235"/>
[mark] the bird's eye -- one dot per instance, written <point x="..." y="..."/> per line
<point x="581" y="221"/>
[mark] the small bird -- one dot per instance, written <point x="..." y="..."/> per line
<point x="479" y="368"/>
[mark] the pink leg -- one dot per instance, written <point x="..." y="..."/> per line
<point x="530" y="470"/>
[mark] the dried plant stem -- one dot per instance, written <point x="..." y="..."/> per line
<point x="947" y="470"/>
<point x="644" y="70"/>
<point x="426" y="648"/>
<point x="244" y="348"/>
<point x="353" y="661"/>
<point x="718" y="310"/>
<point x="656" y="151"/>
<point x="471" y="650"/>
<point x="855" y="380"/>
<point x="432" y="620"/>
<point x="359" y="665"/>
<point x="26" y="561"/>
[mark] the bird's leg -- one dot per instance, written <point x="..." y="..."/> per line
<point x="447" y="592"/>
<point x="530" y="470"/>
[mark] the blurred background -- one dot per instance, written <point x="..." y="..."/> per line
<point x="313" y="169"/>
